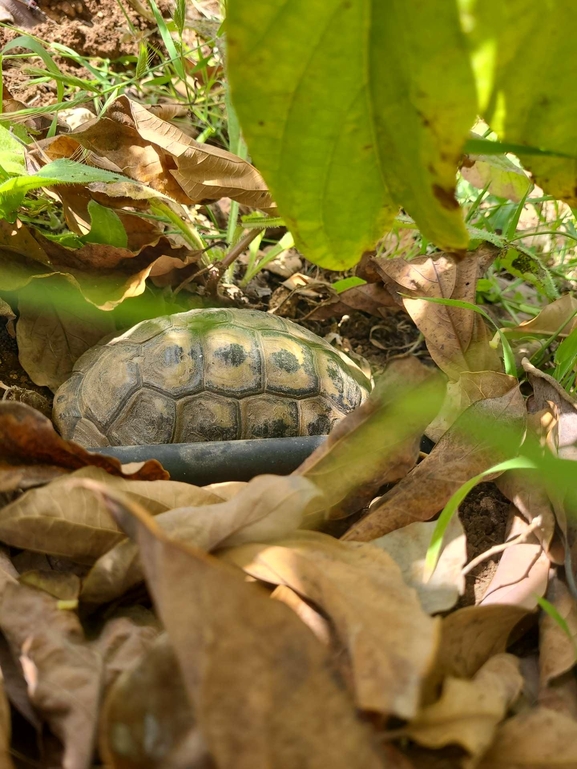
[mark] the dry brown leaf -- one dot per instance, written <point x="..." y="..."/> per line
<point x="62" y="585"/>
<point x="548" y="394"/>
<point x="468" y="712"/>
<point x="469" y="637"/>
<point x="456" y="338"/>
<point x="532" y="502"/>
<point x="305" y="612"/>
<point x="460" y="455"/>
<point x="523" y="570"/>
<point x="227" y="635"/>
<point x="62" y="518"/>
<point x="389" y="640"/>
<point x="55" y="327"/>
<point x="377" y="443"/>
<point x="536" y="739"/>
<point x="472" y="386"/>
<point x="32" y="452"/>
<point x="147" y="719"/>
<point x="203" y="171"/>
<point x="125" y="641"/>
<point x="550" y="319"/>
<point x="408" y="547"/>
<point x="62" y="672"/>
<point x="557" y="651"/>
<point x="269" y="506"/>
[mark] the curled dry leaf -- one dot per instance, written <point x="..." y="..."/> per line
<point x="523" y="570"/>
<point x="535" y="739"/>
<point x="378" y="443"/>
<point x="147" y="148"/>
<point x="32" y="452"/>
<point x="556" y="648"/>
<point x="457" y="338"/>
<point x="468" y="712"/>
<point x="548" y="394"/>
<point x="408" y="548"/>
<point x="261" y="684"/>
<point x="152" y="693"/>
<point x="55" y="327"/>
<point x="469" y="637"/>
<point x="267" y="507"/>
<point x="62" y="672"/>
<point x="465" y="450"/>
<point x="389" y="640"/>
<point x="560" y="314"/>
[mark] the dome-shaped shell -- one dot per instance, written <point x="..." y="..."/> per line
<point x="207" y="375"/>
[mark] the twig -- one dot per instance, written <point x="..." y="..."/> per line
<point x="535" y="524"/>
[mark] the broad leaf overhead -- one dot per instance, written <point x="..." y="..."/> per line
<point x="352" y="109"/>
<point x="524" y="60"/>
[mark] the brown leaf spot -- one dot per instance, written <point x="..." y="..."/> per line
<point x="445" y="197"/>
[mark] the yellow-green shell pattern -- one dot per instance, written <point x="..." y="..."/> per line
<point x="207" y="375"/>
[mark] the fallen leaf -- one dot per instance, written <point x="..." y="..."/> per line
<point x="305" y="612"/>
<point x="471" y="636"/>
<point x="389" y="640"/>
<point x="536" y="739"/>
<point x="523" y="570"/>
<point x="55" y="327"/>
<point x="557" y="650"/>
<point x="147" y="720"/>
<point x="378" y="442"/>
<point x="532" y="502"/>
<point x="466" y="449"/>
<point x="269" y="506"/>
<point x="470" y="387"/>
<point x="62" y="672"/>
<point x="548" y="394"/>
<point x="408" y="548"/>
<point x="32" y="452"/>
<point x="560" y="314"/>
<point x="300" y="711"/>
<point x="62" y="585"/>
<point x="468" y="712"/>
<point x="124" y="642"/>
<point x="456" y="337"/>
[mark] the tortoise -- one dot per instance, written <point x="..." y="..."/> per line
<point x="207" y="375"/>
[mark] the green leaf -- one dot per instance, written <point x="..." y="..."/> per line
<point x="524" y="59"/>
<point x="566" y="356"/>
<point x="350" y="110"/>
<point x="105" y="227"/>
<point x="342" y="285"/>
<point x="11" y="153"/>
<point x="499" y="175"/>
<point x="519" y="463"/>
<point x="63" y="171"/>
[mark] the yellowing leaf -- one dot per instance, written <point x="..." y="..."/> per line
<point x="367" y="111"/>
<point x="526" y="100"/>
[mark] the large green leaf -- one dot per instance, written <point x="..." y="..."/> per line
<point x="526" y="68"/>
<point x="352" y="108"/>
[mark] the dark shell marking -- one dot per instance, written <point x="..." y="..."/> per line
<point x="207" y="375"/>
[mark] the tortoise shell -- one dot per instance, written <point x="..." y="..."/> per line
<point x="207" y="375"/>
